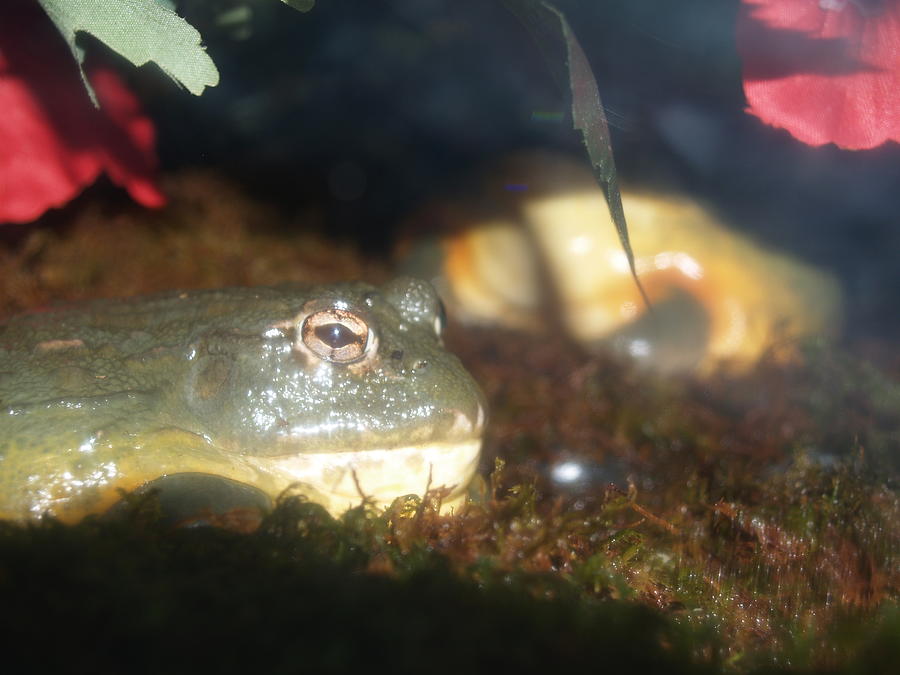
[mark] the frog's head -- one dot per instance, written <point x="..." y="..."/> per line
<point x="351" y="393"/>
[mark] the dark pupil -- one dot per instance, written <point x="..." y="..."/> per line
<point x="336" y="335"/>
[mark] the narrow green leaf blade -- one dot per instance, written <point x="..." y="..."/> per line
<point x="300" y="5"/>
<point x="587" y="109"/>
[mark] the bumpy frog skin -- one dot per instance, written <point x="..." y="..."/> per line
<point x="345" y="390"/>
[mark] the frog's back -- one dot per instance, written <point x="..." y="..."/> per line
<point x="112" y="364"/>
<point x="112" y="346"/>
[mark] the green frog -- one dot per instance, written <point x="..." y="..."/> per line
<point x="343" y="391"/>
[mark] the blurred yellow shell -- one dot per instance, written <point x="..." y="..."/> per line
<point x="535" y="245"/>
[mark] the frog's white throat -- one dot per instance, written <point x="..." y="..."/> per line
<point x="341" y="480"/>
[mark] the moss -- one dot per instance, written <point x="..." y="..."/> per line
<point x="738" y="509"/>
<point x="132" y="595"/>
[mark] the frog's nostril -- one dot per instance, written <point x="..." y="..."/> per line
<point x="397" y="355"/>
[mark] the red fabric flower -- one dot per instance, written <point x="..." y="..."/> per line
<point x="53" y="142"/>
<point x="828" y="71"/>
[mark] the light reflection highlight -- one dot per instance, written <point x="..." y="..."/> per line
<point x="567" y="472"/>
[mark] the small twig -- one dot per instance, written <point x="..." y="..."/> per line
<point x="421" y="509"/>
<point x="366" y="500"/>
<point x="652" y="518"/>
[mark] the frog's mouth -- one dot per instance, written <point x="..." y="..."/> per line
<point x="342" y="480"/>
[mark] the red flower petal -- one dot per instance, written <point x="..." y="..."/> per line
<point x="53" y="142"/>
<point x="828" y="71"/>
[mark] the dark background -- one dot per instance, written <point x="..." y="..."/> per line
<point x="364" y="109"/>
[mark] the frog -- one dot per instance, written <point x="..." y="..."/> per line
<point x="343" y="393"/>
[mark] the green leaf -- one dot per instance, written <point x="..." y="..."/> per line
<point x="141" y="31"/>
<point x="300" y="5"/>
<point x="554" y="36"/>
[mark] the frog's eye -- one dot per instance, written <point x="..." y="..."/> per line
<point x="336" y="335"/>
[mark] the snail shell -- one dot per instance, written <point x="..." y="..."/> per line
<point x="534" y="247"/>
